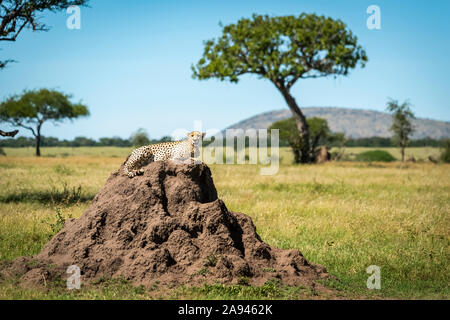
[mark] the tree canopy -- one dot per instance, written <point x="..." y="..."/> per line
<point x="283" y="50"/>
<point x="32" y="109"/>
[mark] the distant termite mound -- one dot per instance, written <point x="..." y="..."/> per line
<point x="167" y="225"/>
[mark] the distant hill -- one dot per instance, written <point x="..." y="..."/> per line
<point x="355" y="123"/>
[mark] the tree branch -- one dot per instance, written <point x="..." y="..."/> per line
<point x="291" y="82"/>
<point x="315" y="76"/>
<point x="14" y="37"/>
<point x="10" y="133"/>
<point x="20" y="124"/>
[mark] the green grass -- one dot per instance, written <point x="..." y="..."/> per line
<point x="112" y="289"/>
<point x="344" y="215"/>
<point x="375" y="155"/>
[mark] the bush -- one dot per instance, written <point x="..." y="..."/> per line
<point x="140" y="138"/>
<point x="375" y="155"/>
<point x="445" y="155"/>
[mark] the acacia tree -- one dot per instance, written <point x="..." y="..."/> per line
<point x="283" y="50"/>
<point x="33" y="108"/>
<point x="401" y="123"/>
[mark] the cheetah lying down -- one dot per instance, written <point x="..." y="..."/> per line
<point x="176" y="150"/>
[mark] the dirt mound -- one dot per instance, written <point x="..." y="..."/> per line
<point x="167" y="225"/>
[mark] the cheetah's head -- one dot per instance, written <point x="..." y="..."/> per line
<point x="195" y="136"/>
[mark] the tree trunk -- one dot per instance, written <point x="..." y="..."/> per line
<point x="302" y="125"/>
<point x="38" y="149"/>
<point x="403" y="153"/>
<point x="38" y="142"/>
<point x="297" y="153"/>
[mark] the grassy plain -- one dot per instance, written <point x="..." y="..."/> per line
<point x="343" y="215"/>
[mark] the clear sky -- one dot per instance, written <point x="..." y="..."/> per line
<point x="130" y="63"/>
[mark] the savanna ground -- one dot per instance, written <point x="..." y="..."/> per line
<point x="343" y="215"/>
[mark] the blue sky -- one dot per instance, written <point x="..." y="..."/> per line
<point x="130" y="63"/>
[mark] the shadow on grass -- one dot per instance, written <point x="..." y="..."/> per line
<point x="65" y="196"/>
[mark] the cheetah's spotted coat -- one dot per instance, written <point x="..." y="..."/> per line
<point x="176" y="150"/>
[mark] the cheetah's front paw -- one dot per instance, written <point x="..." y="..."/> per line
<point x="135" y="173"/>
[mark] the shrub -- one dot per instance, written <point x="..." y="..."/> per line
<point x="140" y="138"/>
<point x="210" y="261"/>
<point x="445" y="155"/>
<point x="243" y="281"/>
<point x="58" y="225"/>
<point x="375" y="155"/>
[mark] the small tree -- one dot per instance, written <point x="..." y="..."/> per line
<point x="288" y="132"/>
<point x="33" y="108"/>
<point x="401" y="123"/>
<point x="140" y="138"/>
<point x="320" y="134"/>
<point x="282" y="50"/>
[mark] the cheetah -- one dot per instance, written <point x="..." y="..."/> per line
<point x="176" y="150"/>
